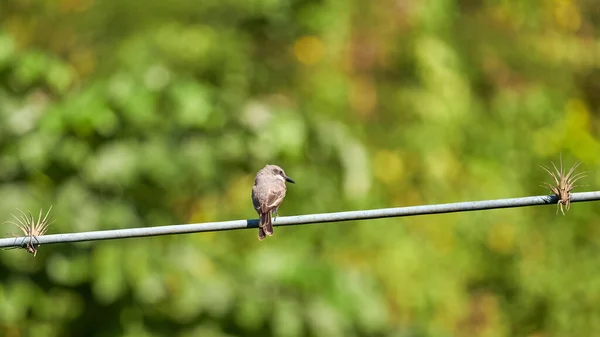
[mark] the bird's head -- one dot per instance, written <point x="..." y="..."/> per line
<point x="277" y="173"/>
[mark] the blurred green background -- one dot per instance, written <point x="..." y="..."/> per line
<point x="124" y="113"/>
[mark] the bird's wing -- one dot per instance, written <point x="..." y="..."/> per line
<point x="255" y="199"/>
<point x="274" y="199"/>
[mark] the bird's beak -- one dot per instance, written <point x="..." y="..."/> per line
<point x="288" y="179"/>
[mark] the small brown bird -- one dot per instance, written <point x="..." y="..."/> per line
<point x="267" y="195"/>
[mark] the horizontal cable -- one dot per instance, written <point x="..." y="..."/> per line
<point x="300" y="219"/>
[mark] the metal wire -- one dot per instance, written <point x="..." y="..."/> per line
<point x="299" y="219"/>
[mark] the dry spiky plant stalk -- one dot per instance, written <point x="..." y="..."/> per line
<point x="32" y="229"/>
<point x="563" y="184"/>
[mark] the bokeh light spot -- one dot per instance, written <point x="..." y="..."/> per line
<point x="309" y="50"/>
<point x="388" y="166"/>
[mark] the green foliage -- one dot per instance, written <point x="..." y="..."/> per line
<point x="122" y="114"/>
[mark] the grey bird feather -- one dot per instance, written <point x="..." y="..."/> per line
<point x="267" y="195"/>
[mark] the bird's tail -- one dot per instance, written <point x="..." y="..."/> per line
<point x="265" y="225"/>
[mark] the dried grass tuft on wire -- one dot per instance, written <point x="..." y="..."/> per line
<point x="32" y="229"/>
<point x="563" y="184"/>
